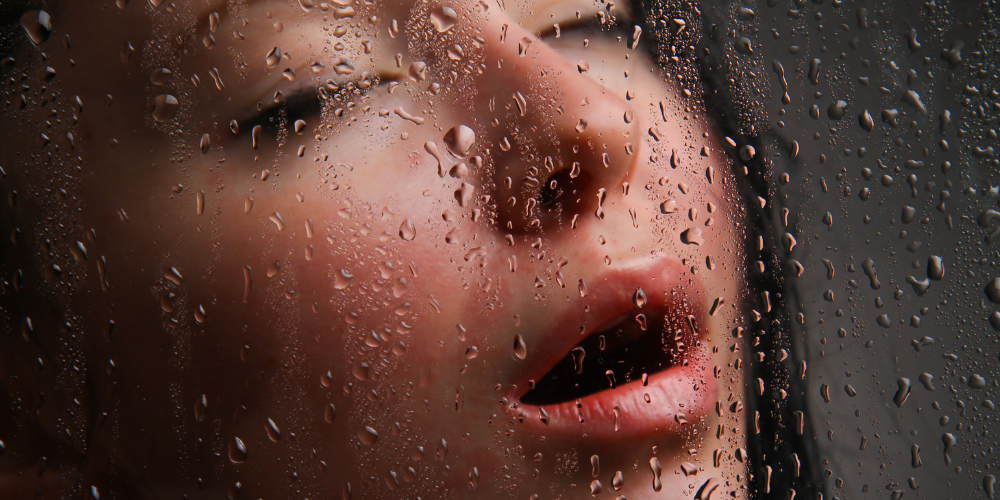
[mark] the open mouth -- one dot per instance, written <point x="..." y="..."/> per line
<point x="634" y="346"/>
<point x="615" y="367"/>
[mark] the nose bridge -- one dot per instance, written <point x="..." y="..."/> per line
<point x="587" y="116"/>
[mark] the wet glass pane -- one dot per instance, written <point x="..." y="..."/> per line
<point x="524" y="249"/>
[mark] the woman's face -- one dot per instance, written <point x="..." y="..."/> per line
<point x="390" y="249"/>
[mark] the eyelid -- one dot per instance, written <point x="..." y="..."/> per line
<point x="592" y="22"/>
<point x="309" y="99"/>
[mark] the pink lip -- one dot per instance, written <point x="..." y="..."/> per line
<point x="678" y="395"/>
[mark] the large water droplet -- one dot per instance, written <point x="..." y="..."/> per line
<point x="201" y="408"/>
<point x="993" y="290"/>
<point x="443" y="18"/>
<point x="578" y="354"/>
<point x="237" y="451"/>
<point x="38" y="25"/>
<point x="654" y="467"/>
<point x="164" y="107"/>
<point x="272" y="430"/>
<point x="160" y="76"/>
<point x="368" y="435"/>
<point x="639" y="298"/>
<point x="520" y="349"/>
<point x="902" y="392"/>
<point x="273" y="57"/>
<point x="460" y="140"/>
<point x="407" y="231"/>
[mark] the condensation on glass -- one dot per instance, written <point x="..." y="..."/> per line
<point x="497" y="248"/>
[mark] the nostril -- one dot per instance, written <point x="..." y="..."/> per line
<point x="562" y="190"/>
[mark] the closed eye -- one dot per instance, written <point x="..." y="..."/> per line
<point x="307" y="103"/>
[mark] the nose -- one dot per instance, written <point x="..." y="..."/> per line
<point x="558" y="139"/>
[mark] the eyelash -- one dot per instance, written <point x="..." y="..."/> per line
<point x="308" y="102"/>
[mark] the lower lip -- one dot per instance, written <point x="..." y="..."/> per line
<point x="678" y="397"/>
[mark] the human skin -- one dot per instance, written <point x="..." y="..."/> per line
<point x="275" y="284"/>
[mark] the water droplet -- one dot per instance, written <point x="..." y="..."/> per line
<point x="201" y="408"/>
<point x="38" y="25"/>
<point x="619" y="480"/>
<point x="237" y="451"/>
<point x="989" y="483"/>
<point x="884" y="321"/>
<point x="581" y="126"/>
<point x="928" y="380"/>
<point x="866" y="121"/>
<point x="342" y="66"/>
<point x="689" y="469"/>
<point x="837" y="110"/>
<point x="869" y="267"/>
<point x="330" y="413"/>
<point x="935" y="268"/>
<point x="902" y="391"/>
<point x="205" y="144"/>
<point x="164" y="107"/>
<point x="199" y="204"/>
<point x="273" y="269"/>
<point x="247" y="283"/>
<point x="654" y="467"/>
<point x="455" y="52"/>
<point x="578" y="354"/>
<point x="273" y="58"/>
<point x="460" y="140"/>
<point x="272" y="430"/>
<point x="949" y="441"/>
<point x="639" y="298"/>
<point x="523" y="45"/>
<point x="993" y="290"/>
<point x="693" y="236"/>
<point x="520" y="349"/>
<point x="443" y="18"/>
<point x="368" y="435"/>
<point x="160" y="76"/>
<point x="641" y="319"/>
<point x="300" y="126"/>
<point x="596" y="488"/>
<point x="407" y="231"/>
<point x="669" y="206"/>
<point x="977" y="381"/>
<point x="915" y="457"/>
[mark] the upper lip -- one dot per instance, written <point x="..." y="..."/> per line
<point x="668" y="290"/>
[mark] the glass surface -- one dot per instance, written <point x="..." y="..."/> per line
<point x="530" y="249"/>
